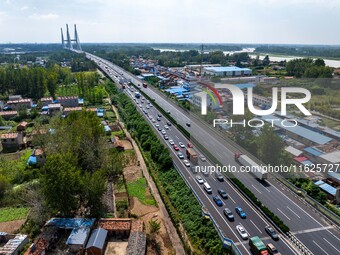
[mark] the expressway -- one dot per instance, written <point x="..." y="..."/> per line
<point x="254" y="223"/>
<point x="306" y="224"/>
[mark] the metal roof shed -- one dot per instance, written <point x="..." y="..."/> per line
<point x="96" y="243"/>
<point x="78" y="238"/>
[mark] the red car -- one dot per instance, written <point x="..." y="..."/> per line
<point x="176" y="147"/>
<point x="190" y="145"/>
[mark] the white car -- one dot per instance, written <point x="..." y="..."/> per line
<point x="157" y="125"/>
<point x="166" y="127"/>
<point x="199" y="179"/>
<point x="241" y="230"/>
<point x="186" y="163"/>
<point x="181" y="145"/>
<point x="202" y="158"/>
<point x="171" y="142"/>
<point x="153" y="120"/>
<point x="163" y="132"/>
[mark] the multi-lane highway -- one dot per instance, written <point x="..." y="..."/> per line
<point x="308" y="226"/>
<point x="254" y="222"/>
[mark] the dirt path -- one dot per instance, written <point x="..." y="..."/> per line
<point x="163" y="214"/>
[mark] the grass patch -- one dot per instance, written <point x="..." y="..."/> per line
<point x="9" y="214"/>
<point x="138" y="189"/>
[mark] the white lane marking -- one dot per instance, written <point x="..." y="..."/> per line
<point x="231" y="199"/>
<point x="256" y="189"/>
<point x="283" y="214"/>
<point x="325" y="228"/>
<point x="310" y="230"/>
<point x="256" y="226"/>
<point x="221" y="156"/>
<point x="176" y="137"/>
<point x="267" y="189"/>
<point x="332" y="245"/>
<point x="320" y="247"/>
<point x="293" y="212"/>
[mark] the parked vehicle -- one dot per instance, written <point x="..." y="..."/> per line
<point x="255" y="169"/>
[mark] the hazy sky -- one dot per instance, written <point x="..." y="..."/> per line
<point x="223" y="21"/>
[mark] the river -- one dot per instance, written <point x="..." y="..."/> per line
<point x="328" y="62"/>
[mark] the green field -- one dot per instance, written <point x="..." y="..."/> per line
<point x="138" y="189"/>
<point x="9" y="214"/>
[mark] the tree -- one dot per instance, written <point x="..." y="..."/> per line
<point x="266" y="61"/>
<point x="60" y="184"/>
<point x="319" y="62"/>
<point x="270" y="146"/>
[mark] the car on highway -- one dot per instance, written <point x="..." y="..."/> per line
<point x="186" y="163"/>
<point x="199" y="179"/>
<point x="168" y="123"/>
<point x="194" y="169"/>
<point x="156" y="125"/>
<point x="202" y="158"/>
<point x="272" y="249"/>
<point x="150" y="117"/>
<point x="171" y="142"/>
<point x="222" y="193"/>
<point x="166" y="137"/>
<point x="158" y="118"/>
<point x="188" y="124"/>
<point x="242" y="232"/>
<point x="227" y="212"/>
<point x="147" y="107"/>
<point x="217" y="200"/>
<point x="166" y="127"/>
<point x="159" y="128"/>
<point x="219" y="176"/>
<point x="159" y="115"/>
<point x="163" y="132"/>
<point x="240" y="212"/>
<point x="168" y="112"/>
<point x="190" y="145"/>
<point x="181" y="145"/>
<point x="176" y="147"/>
<point x="153" y="120"/>
<point x="271" y="232"/>
<point x="180" y="155"/>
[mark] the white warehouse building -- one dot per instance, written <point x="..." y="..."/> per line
<point x="227" y="71"/>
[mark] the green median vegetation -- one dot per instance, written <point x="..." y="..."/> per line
<point x="183" y="208"/>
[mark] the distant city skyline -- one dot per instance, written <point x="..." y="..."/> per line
<point x="175" y="21"/>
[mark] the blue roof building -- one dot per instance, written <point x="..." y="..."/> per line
<point x="227" y="71"/>
<point x="304" y="135"/>
<point x="96" y="242"/>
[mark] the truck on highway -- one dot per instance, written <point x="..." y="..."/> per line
<point x="192" y="155"/>
<point x="137" y="94"/>
<point x="252" y="167"/>
<point x="257" y="247"/>
<point x="145" y="85"/>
